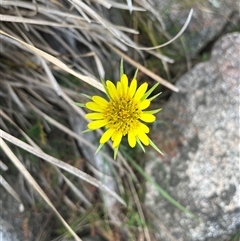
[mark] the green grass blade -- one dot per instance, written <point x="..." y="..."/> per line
<point x="152" y="111"/>
<point x="236" y="237"/>
<point x="155" y="96"/>
<point x="115" y="152"/>
<point x="86" y="131"/>
<point x="80" y="104"/>
<point x="149" y="92"/>
<point x="87" y="96"/>
<point x="121" y="68"/>
<point x="140" y="144"/>
<point x="99" y="148"/>
<point x="135" y="75"/>
<point x="155" y="147"/>
<point x="105" y="88"/>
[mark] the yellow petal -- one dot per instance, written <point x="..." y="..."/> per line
<point x="106" y="136"/>
<point x="140" y="91"/>
<point x="93" y="106"/>
<point x="113" y="136"/>
<point x="124" y="81"/>
<point x="96" y="124"/>
<point x="94" y="116"/>
<point x="100" y="101"/>
<point x="131" y="139"/>
<point x="132" y="88"/>
<point x="111" y="89"/>
<point x="119" y="88"/>
<point x="135" y="132"/>
<point x="117" y="139"/>
<point x="144" y="104"/>
<point x="143" y="128"/>
<point x="143" y="138"/>
<point x="147" y="117"/>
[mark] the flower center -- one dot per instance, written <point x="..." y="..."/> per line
<point x="122" y="114"/>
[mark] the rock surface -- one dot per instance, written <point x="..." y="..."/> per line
<point x="209" y="19"/>
<point x="199" y="134"/>
<point x="11" y="219"/>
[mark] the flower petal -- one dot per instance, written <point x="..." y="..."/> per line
<point x="143" y="128"/>
<point x="117" y="139"/>
<point x="111" y="89"/>
<point x="143" y="138"/>
<point x="140" y="91"/>
<point x="93" y="106"/>
<point x="132" y="88"/>
<point x="131" y="139"/>
<point x="100" y="101"/>
<point x="119" y="88"/>
<point x="124" y="81"/>
<point x="147" y="117"/>
<point x="94" y="116"/>
<point x="144" y="104"/>
<point x="106" y="136"/>
<point x="97" y="124"/>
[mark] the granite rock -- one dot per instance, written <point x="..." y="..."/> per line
<point x="199" y="134"/>
<point x="11" y="218"/>
<point x="210" y="19"/>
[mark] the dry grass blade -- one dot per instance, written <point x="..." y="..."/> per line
<point x="29" y="140"/>
<point x="140" y="211"/>
<point x="51" y="77"/>
<point x="147" y="5"/>
<point x="3" y="166"/>
<point x="16" y="99"/>
<point x="75" y="190"/>
<point x="165" y="44"/>
<point x="99" y="66"/>
<point x="145" y="70"/>
<point x="31" y="180"/>
<point x="57" y="62"/>
<point x="161" y="56"/>
<point x="65" y="166"/>
<point x="49" y="49"/>
<point x="40" y="8"/>
<point x="123" y="6"/>
<point x="6" y="185"/>
<point x="129" y="3"/>
<point x="13" y="19"/>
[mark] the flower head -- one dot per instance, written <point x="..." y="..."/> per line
<point x="123" y="114"/>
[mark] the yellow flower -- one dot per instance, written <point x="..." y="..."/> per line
<point x="123" y="114"/>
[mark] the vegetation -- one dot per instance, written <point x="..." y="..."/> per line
<point x="54" y="54"/>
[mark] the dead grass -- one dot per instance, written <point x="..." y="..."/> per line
<point x="51" y="52"/>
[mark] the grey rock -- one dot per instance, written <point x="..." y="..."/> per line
<point x="209" y="19"/>
<point x="18" y="222"/>
<point x="199" y="135"/>
<point x="11" y="219"/>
